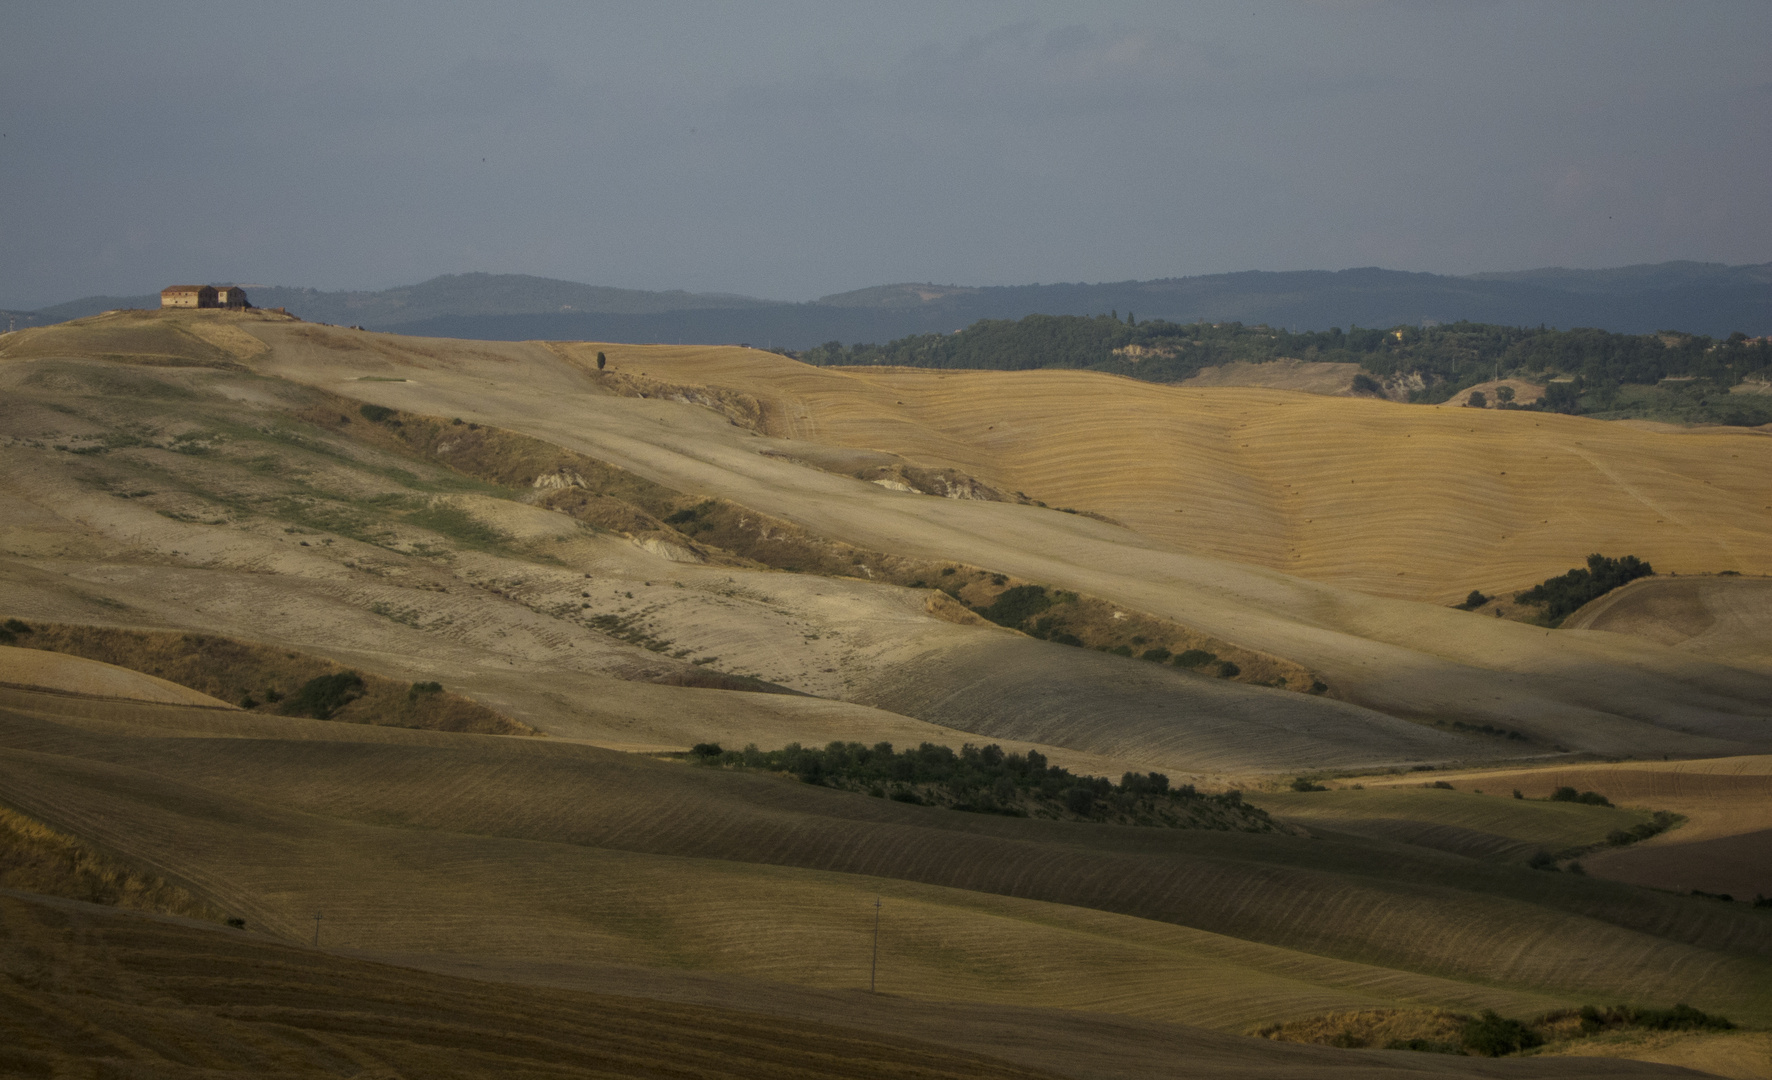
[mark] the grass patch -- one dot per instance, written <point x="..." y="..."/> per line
<point x="36" y="858"/>
<point x="459" y="526"/>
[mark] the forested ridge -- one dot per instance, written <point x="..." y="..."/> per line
<point x="1448" y="358"/>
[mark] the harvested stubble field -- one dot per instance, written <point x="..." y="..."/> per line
<point x="1722" y="617"/>
<point x="407" y="839"/>
<point x="1425" y="502"/>
<point x="93" y="991"/>
<point x="1485" y="823"/>
<point x="1723" y="847"/>
<point x="603" y="561"/>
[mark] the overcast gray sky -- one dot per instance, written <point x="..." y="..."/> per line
<point x="790" y="150"/>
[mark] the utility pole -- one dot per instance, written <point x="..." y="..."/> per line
<point x="317" y="918"/>
<point x="874" y="968"/>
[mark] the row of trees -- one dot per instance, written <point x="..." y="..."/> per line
<point x="981" y="779"/>
<point x="1448" y="357"/>
<point x="1562" y="595"/>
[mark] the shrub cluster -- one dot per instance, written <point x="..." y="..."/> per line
<point x="1678" y="1018"/>
<point x="1490" y="729"/>
<point x="1026" y="607"/>
<point x="978" y="779"/>
<point x="1561" y="596"/>
<point x="1490" y="1035"/>
<point x="1662" y="822"/>
<point x="1586" y="798"/>
<point x="324" y="695"/>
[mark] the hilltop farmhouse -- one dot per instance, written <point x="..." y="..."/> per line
<point x="203" y="296"/>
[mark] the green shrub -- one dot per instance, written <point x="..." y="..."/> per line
<point x="1158" y="654"/>
<point x="420" y="689"/>
<point x="1017" y="605"/>
<point x="1424" y="1046"/>
<point x="324" y="695"/>
<point x="1562" y="397"/>
<point x="1228" y="670"/>
<point x="375" y="414"/>
<point x="1474" y="601"/>
<point x="1494" y="1036"/>
<point x="1679" y="1018"/>
<point x="1301" y="784"/>
<point x="1195" y="658"/>
<point x="1586" y="798"/>
<point x="1542" y="860"/>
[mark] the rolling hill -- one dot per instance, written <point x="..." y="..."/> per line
<point x="604" y="566"/>
<point x="1698" y="298"/>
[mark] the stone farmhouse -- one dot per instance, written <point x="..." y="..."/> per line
<point x="203" y="296"/>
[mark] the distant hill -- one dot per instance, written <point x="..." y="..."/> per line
<point x="1699" y="298"/>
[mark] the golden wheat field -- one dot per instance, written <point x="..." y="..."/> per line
<point x="1438" y="500"/>
<point x="532" y="587"/>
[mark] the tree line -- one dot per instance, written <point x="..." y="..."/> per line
<point x="1448" y="358"/>
<point x="985" y="779"/>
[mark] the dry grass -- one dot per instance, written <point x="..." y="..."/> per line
<point x="76" y="675"/>
<point x="137" y="337"/>
<point x="1371" y="1027"/>
<point x="36" y="858"/>
<point x="245" y="672"/>
<point x="1738" y="1055"/>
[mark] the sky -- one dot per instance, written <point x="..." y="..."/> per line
<point x="791" y="150"/>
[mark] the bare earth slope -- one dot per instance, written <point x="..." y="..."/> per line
<point x="1390" y="655"/>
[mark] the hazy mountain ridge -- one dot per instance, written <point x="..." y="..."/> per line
<point x="1702" y="298"/>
